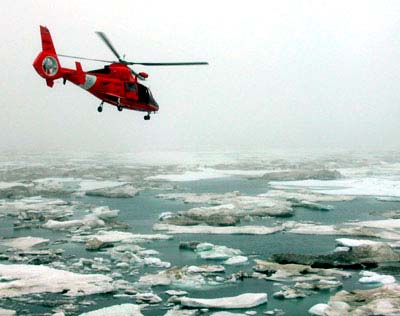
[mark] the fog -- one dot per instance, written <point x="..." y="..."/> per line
<point x="282" y="74"/>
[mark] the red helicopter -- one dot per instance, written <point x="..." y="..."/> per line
<point x="116" y="83"/>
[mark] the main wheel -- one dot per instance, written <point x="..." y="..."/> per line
<point x="100" y="108"/>
<point x="119" y="108"/>
<point x="147" y="117"/>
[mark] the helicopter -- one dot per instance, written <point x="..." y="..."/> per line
<point x="116" y="83"/>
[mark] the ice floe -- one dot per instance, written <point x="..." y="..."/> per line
<point x="7" y="312"/>
<point x="246" y="300"/>
<point x="225" y="230"/>
<point x="178" y="311"/>
<point x="120" y="191"/>
<point x="22" y="279"/>
<point x="205" y="174"/>
<point x="216" y="252"/>
<point x="319" y="309"/>
<point x="302" y="174"/>
<point x="180" y="277"/>
<point x="363" y="186"/>
<point x="24" y="243"/>
<point x="236" y="260"/>
<point x="373" y="277"/>
<point x="383" y="300"/>
<point x="306" y="195"/>
<point x="347" y="242"/>
<point x="228" y="209"/>
<point x="116" y="310"/>
<point x="224" y="313"/>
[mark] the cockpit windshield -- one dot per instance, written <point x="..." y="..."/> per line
<point x="145" y="95"/>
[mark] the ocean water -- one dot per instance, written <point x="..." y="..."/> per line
<point x="142" y="211"/>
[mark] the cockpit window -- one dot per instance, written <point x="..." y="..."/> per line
<point x="130" y="86"/>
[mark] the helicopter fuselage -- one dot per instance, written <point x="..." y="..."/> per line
<point x="114" y="84"/>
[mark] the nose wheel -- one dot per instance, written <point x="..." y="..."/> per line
<point x="147" y="117"/>
<point x="119" y="108"/>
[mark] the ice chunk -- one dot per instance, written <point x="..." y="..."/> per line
<point x="24" y="243"/>
<point x="207" y="268"/>
<point x="7" y="312"/>
<point x="148" y="297"/>
<point x="305" y="195"/>
<point x="176" y="293"/>
<point x="205" y="229"/>
<point x="176" y="276"/>
<point x="347" y="242"/>
<point x="120" y="191"/>
<point x="227" y="314"/>
<point x="7" y="185"/>
<point x="372" y="277"/>
<point x="105" y="238"/>
<point x="246" y="300"/>
<point x="302" y="174"/>
<point x="354" y="186"/>
<point x="116" y="310"/>
<point x="216" y="252"/>
<point x="104" y="212"/>
<point x="236" y="260"/>
<point x="205" y="174"/>
<point x="228" y="209"/>
<point x="22" y="279"/>
<point x="89" y="220"/>
<point x="319" y="309"/>
<point x="177" y="311"/>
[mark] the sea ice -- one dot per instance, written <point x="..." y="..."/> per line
<point x="227" y="208"/>
<point x="177" y="311"/>
<point x="216" y="252"/>
<point x="306" y="195"/>
<point x="372" y="277"/>
<point x="223" y="313"/>
<point x="116" y="310"/>
<point x="383" y="300"/>
<point x="89" y="220"/>
<point x="37" y="205"/>
<point x="347" y="242"/>
<point x="176" y="293"/>
<point x="319" y="309"/>
<point x="175" y="276"/>
<point x="22" y="279"/>
<point x="104" y="238"/>
<point x="246" y="300"/>
<point x="205" y="174"/>
<point x="236" y="260"/>
<point x="120" y="191"/>
<point x="226" y="230"/>
<point x="148" y="297"/>
<point x="206" y="268"/>
<point x="24" y="243"/>
<point x="361" y="186"/>
<point x="7" y="312"/>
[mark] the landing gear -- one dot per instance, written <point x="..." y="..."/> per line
<point x="147" y="117"/>
<point x="100" y="108"/>
<point x="119" y="107"/>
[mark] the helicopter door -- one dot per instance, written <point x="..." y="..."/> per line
<point x="131" y="90"/>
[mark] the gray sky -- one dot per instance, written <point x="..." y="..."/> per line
<point x="282" y="74"/>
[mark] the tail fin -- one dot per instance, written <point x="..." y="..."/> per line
<point x="47" y="42"/>
<point x="46" y="63"/>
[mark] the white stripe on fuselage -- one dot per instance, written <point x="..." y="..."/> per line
<point x="90" y="80"/>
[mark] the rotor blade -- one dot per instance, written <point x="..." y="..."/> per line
<point x="84" y="58"/>
<point x="169" y="64"/>
<point x="108" y="43"/>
